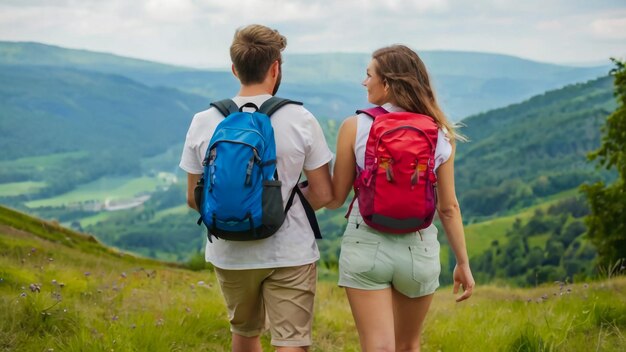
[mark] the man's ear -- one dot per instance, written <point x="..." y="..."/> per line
<point x="275" y="69"/>
<point x="232" y="67"/>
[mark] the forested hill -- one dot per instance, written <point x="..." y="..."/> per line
<point x="329" y="83"/>
<point x="532" y="149"/>
<point x="46" y="110"/>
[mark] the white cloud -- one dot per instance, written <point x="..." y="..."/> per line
<point x="198" y="32"/>
<point x="610" y="28"/>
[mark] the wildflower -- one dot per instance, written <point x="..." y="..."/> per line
<point x="188" y="310"/>
<point x="544" y="296"/>
<point x="23" y="294"/>
<point x="35" y="287"/>
<point x="132" y="326"/>
<point x="200" y="283"/>
<point x="123" y="275"/>
<point x="32" y="250"/>
<point x="192" y="286"/>
<point x="87" y="273"/>
<point x="160" y="322"/>
<point x="54" y="281"/>
<point x="50" y="259"/>
<point x="569" y="290"/>
<point x="586" y="286"/>
<point x="56" y="295"/>
<point x="115" y="318"/>
<point x="61" y="284"/>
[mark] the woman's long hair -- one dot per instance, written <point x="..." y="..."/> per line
<point x="409" y="85"/>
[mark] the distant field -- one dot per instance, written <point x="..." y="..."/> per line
<point x="40" y="161"/>
<point x="19" y="188"/>
<point x="92" y="220"/>
<point x="181" y="209"/>
<point x="103" y="189"/>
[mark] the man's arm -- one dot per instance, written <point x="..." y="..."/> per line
<point x="192" y="180"/>
<point x="319" y="192"/>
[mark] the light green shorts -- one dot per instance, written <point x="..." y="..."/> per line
<point x="373" y="260"/>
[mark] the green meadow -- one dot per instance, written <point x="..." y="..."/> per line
<point x="102" y="189"/>
<point x="64" y="291"/>
<point x="12" y="189"/>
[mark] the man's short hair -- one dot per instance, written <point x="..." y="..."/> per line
<point x="254" y="49"/>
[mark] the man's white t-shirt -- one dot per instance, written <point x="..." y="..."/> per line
<point x="300" y="144"/>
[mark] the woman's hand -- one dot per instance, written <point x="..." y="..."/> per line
<point x="463" y="278"/>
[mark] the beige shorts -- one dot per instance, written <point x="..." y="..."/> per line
<point x="282" y="297"/>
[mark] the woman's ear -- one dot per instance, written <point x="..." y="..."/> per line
<point x="232" y="67"/>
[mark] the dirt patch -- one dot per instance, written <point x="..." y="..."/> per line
<point x="15" y="232"/>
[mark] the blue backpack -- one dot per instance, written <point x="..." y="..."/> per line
<point x="239" y="193"/>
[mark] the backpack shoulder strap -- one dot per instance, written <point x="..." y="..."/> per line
<point x="272" y="105"/>
<point x="225" y="107"/>
<point x="373" y="112"/>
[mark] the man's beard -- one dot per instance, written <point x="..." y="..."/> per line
<point x="277" y="85"/>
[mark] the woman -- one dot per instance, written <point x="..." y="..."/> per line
<point x="390" y="289"/>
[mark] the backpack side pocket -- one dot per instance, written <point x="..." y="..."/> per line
<point x="198" y="193"/>
<point x="273" y="211"/>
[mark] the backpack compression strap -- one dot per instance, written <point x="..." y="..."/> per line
<point x="272" y="104"/>
<point x="225" y="107"/>
<point x="308" y="209"/>
<point x="373" y="112"/>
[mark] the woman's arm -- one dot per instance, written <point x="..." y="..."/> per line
<point x="450" y="216"/>
<point x="344" y="170"/>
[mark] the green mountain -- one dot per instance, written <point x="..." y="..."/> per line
<point x="329" y="84"/>
<point x="531" y="149"/>
<point x="102" y="124"/>
<point x="45" y="110"/>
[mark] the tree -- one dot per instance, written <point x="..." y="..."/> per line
<point x="607" y="221"/>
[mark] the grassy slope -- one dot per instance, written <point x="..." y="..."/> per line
<point x="111" y="301"/>
<point x="480" y="235"/>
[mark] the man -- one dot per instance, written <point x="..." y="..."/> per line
<point x="275" y="277"/>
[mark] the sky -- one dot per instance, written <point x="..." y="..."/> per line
<point x="198" y="33"/>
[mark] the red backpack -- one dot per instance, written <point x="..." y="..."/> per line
<point x="396" y="189"/>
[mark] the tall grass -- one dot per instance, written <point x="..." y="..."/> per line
<point x="58" y="292"/>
